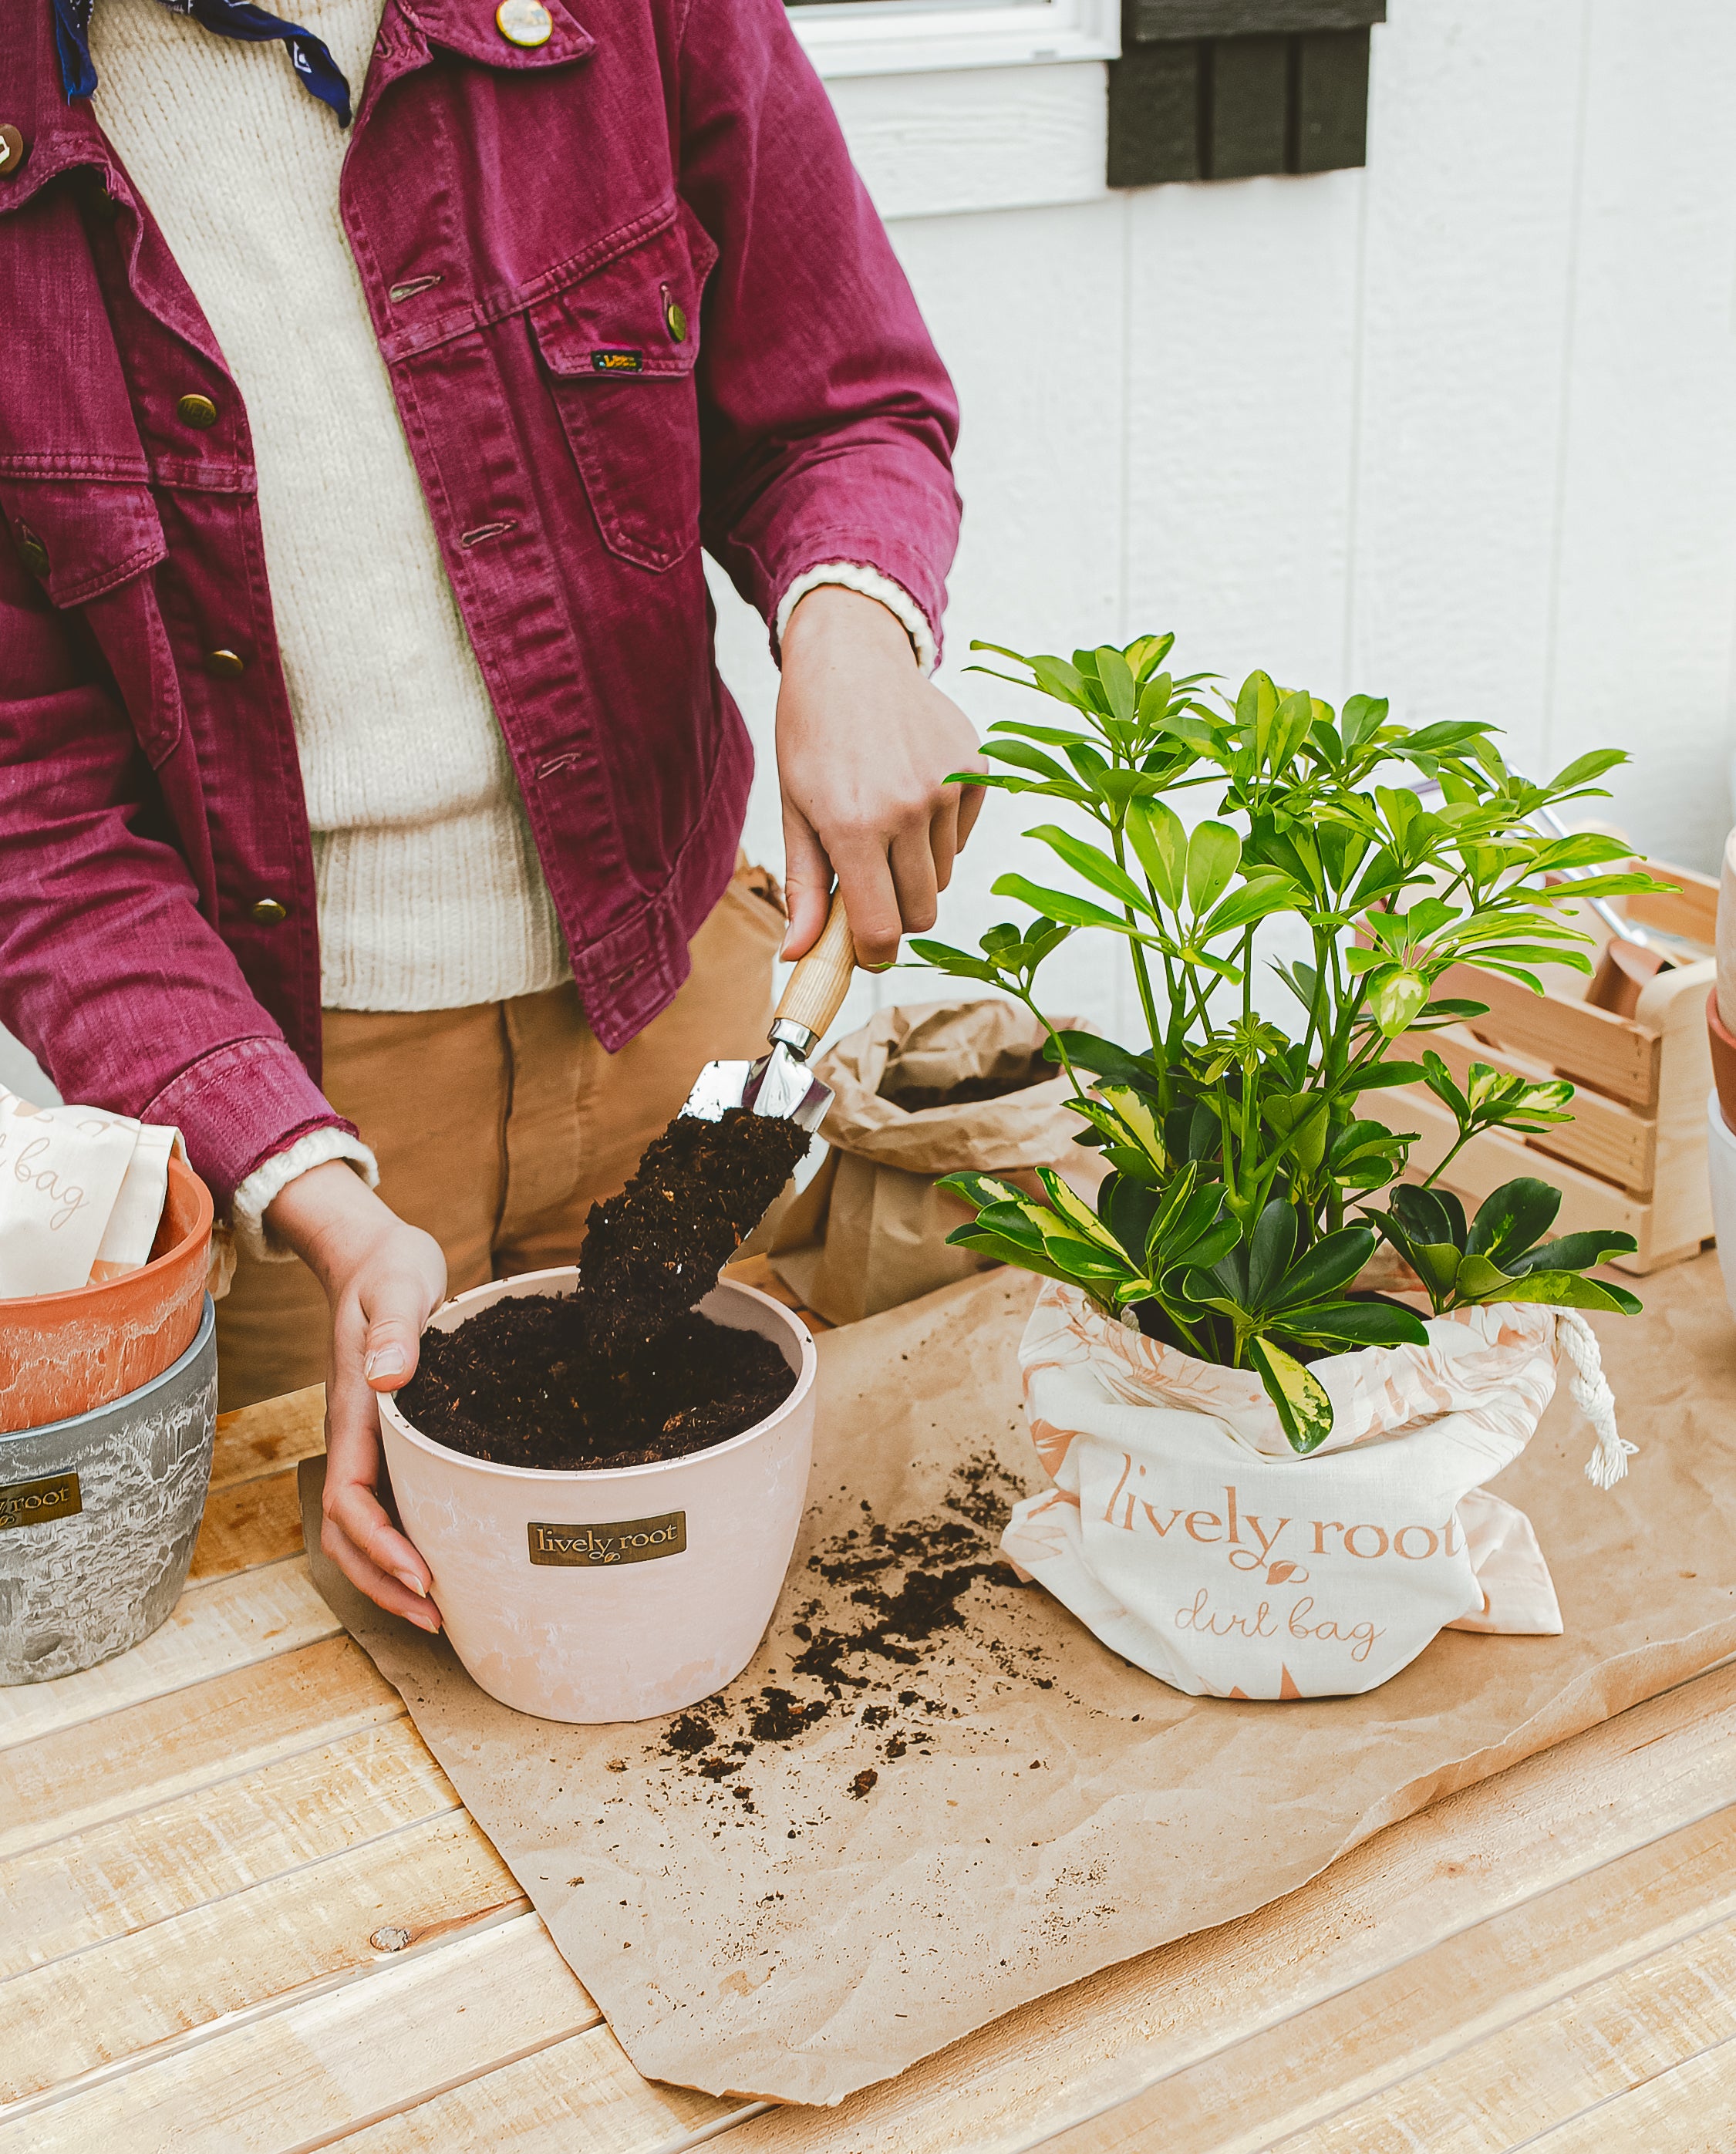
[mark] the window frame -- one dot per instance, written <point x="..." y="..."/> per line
<point x="908" y="37"/>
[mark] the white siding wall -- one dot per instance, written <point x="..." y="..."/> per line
<point x="1456" y="430"/>
<point x="1459" y="428"/>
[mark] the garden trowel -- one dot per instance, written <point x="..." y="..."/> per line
<point x="780" y="1083"/>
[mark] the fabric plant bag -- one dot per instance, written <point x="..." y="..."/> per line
<point x="1184" y="1532"/>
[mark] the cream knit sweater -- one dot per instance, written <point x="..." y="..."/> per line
<point x="431" y="895"/>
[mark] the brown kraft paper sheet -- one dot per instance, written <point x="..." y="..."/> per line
<point x="781" y="1926"/>
<point x="870" y="1230"/>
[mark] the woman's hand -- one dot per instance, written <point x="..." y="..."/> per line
<point x="384" y="1280"/>
<point x="864" y="747"/>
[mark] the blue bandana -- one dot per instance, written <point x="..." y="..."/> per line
<point x="321" y="77"/>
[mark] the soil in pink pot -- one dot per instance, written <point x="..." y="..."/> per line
<point x="516" y="1385"/>
<point x="626" y="1371"/>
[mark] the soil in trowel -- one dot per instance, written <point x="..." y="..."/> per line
<point x="624" y="1372"/>
<point x="652" y="1251"/>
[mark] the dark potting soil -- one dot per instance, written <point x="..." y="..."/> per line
<point x="624" y="1371"/>
<point x="511" y="1386"/>
<point x="916" y="1099"/>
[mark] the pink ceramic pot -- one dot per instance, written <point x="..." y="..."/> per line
<point x="66" y="1354"/>
<point x="619" y="1594"/>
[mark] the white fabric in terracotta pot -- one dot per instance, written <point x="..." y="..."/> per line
<point x="1187" y="1535"/>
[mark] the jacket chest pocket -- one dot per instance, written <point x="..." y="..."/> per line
<point x="619" y="347"/>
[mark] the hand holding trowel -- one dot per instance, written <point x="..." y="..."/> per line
<point x="779" y="1083"/>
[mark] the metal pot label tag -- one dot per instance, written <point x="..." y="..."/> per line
<point x="631" y="1540"/>
<point x="35" y="1502"/>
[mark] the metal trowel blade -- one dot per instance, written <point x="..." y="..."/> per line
<point x="780" y="1083"/>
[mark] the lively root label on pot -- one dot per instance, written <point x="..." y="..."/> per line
<point x="629" y="1541"/>
<point x="35" y="1502"/>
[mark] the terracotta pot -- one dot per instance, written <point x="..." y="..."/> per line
<point x="617" y="1594"/>
<point x="1724" y="1058"/>
<point x="67" y="1354"/>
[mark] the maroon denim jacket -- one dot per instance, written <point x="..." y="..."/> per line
<point x="515" y="216"/>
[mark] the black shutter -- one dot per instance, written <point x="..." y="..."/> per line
<point x="1225" y="89"/>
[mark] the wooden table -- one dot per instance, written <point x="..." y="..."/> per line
<point x="242" y="1908"/>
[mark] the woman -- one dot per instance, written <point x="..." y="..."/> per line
<point x="372" y="802"/>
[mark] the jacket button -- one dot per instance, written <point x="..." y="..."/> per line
<point x="225" y="665"/>
<point x="32" y="552"/>
<point x="196" y="410"/>
<point x="12" y="151"/>
<point x="268" y="912"/>
<point x="675" y="316"/>
<point x="526" y="23"/>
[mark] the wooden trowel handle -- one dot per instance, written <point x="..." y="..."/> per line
<point x="821" y="979"/>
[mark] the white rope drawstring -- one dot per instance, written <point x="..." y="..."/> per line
<point x="1592" y="1396"/>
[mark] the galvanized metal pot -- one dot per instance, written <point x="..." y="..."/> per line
<point x="98" y="1519"/>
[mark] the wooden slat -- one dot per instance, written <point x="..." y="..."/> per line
<point x="1606" y="2039"/>
<point x="402" y="2033"/>
<point x="129" y="1872"/>
<point x="581" y="2094"/>
<point x="228" y="1624"/>
<point x="1604" y="1137"/>
<point x="263" y="1438"/>
<point x="247" y="1523"/>
<point x="1691" y="912"/>
<point x="1493" y="1158"/>
<point x="149" y="1753"/>
<point x="1074" y="2056"/>
<point x="1345" y="2054"/>
<point x="118" y="1998"/>
<point x="1612" y="1053"/>
<point x="1691" y="2110"/>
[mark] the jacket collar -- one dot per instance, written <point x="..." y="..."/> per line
<point x="58" y="136"/>
<point x="469" y="26"/>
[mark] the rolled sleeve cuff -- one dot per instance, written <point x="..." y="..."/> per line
<point x="858" y="576"/>
<point x="240" y="1105"/>
<point x="269" y="1179"/>
<point x="823" y="553"/>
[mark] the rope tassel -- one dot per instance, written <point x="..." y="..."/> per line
<point x="1592" y="1396"/>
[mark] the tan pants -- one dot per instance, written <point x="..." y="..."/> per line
<point x="497" y="1127"/>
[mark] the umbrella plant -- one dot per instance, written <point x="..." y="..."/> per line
<point x="1239" y="1208"/>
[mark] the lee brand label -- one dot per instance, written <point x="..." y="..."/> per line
<point x="631" y="1540"/>
<point x="617" y="362"/>
<point x="34" y="1503"/>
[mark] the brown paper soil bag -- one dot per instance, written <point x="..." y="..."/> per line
<point x="870" y="1230"/>
<point x="1003" y="1807"/>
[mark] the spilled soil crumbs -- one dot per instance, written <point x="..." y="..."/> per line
<point x="624" y="1372"/>
<point x="866" y="1643"/>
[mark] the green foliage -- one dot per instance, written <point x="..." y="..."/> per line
<point x="1500" y="1256"/>
<point x="1234" y="1144"/>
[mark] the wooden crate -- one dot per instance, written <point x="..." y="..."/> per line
<point x="1634" y="1157"/>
